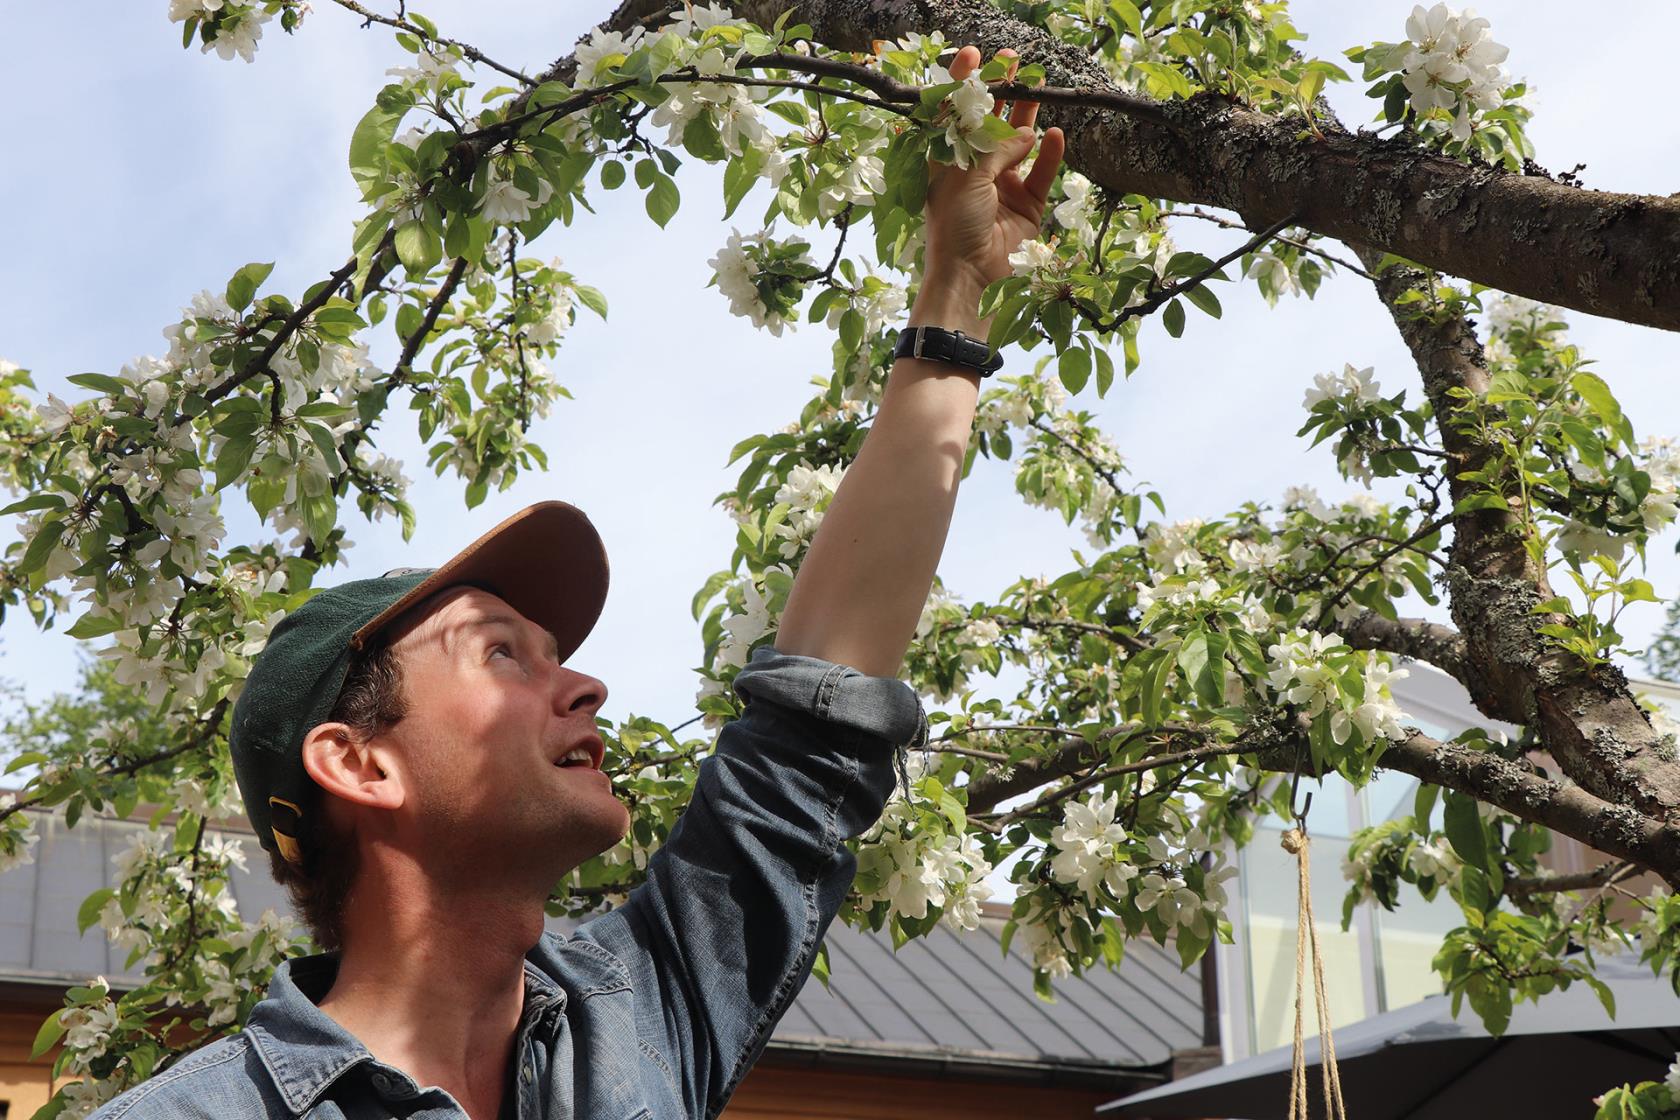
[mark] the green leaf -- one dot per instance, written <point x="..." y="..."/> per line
<point x="51" y="1031"/>
<point x="662" y="198"/>
<point x="367" y="145"/>
<point x="245" y="283"/>
<point x="1463" y="825"/>
<point x="1074" y="368"/>
<point x="88" y="912"/>
<point x="41" y="547"/>
<point x="35" y="502"/>
<point x="101" y="383"/>
<point x="417" y="248"/>
<point x="93" y="626"/>
<point x="1202" y="296"/>
<point x="1105" y="371"/>
<point x="591" y="298"/>
<point x="1598" y="396"/>
<point x="1172" y="317"/>
<point x="612" y="174"/>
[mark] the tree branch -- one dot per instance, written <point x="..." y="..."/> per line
<point x="1579" y="881"/>
<point x="1586" y="719"/>
<point x="1440" y="646"/>
<point x="1616" y="830"/>
<point x="1610" y="254"/>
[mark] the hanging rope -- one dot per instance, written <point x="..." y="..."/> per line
<point x="1295" y="842"/>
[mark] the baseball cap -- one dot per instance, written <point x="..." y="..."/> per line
<point x="547" y="561"/>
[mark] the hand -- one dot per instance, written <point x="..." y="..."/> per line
<point x="976" y="217"/>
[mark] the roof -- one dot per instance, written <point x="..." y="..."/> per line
<point x="943" y="1003"/>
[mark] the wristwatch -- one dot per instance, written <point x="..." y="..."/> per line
<point x="940" y="345"/>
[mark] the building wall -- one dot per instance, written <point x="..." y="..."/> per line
<point x="767" y="1093"/>
<point x="24" y="1085"/>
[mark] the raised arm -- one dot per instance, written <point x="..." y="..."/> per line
<point x="860" y="590"/>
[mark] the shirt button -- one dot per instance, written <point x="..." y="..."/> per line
<point x="528" y="1073"/>
<point x="382" y="1082"/>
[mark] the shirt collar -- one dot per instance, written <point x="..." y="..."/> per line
<point x="305" y="1050"/>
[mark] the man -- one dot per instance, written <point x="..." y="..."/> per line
<point x="425" y="768"/>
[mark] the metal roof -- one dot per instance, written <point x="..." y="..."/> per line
<point x="948" y="1000"/>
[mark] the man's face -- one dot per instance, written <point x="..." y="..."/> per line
<point x="486" y="748"/>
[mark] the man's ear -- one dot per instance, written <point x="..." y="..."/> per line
<point x="349" y="768"/>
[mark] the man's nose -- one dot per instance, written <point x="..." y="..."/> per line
<point x="579" y="691"/>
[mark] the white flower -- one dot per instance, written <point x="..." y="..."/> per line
<point x="1580" y="540"/>
<point x="1672" y="1080"/>
<point x="693" y="18"/>
<point x="600" y="44"/>
<point x="1351" y="386"/>
<point x="504" y="202"/>
<point x="1253" y="556"/>
<point x="967" y="108"/>
<point x="1274" y="274"/>
<point x="745" y="628"/>
<point x="434" y="64"/>
<point x="239" y="38"/>
<point x="1032" y="258"/>
<point x="1433" y="860"/>
<point x="1074" y="211"/>
<point x="1306" y="498"/>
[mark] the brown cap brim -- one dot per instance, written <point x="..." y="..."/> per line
<point x="547" y="561"/>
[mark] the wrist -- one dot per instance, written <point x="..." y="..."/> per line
<point x="950" y="299"/>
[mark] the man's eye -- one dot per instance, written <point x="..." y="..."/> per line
<point x="501" y="649"/>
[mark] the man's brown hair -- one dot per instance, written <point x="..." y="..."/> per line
<point x="371" y="701"/>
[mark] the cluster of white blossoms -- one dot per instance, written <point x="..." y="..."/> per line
<point x="506" y="202"/>
<point x="1078" y="214"/>
<point x="1351" y="388"/>
<point x="911" y="863"/>
<point x="1172" y="548"/>
<point x="1088" y="853"/>
<point x="965" y="111"/>
<point x="807" y="493"/>
<point x="434" y="66"/>
<point x="1658" y="457"/>
<point x="1274" y="275"/>
<point x="750" y="625"/>
<point x="734" y="268"/>
<point x="17" y="835"/>
<point x="1254" y="556"/>
<point x="1042" y="935"/>
<point x="238" y="26"/>
<point x="1354" y="392"/>
<point x="1047" y="268"/>
<point x="1453" y="65"/>
<point x="1433" y="859"/>
<point x="1302" y="673"/>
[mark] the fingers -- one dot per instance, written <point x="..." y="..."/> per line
<point x="1014" y="64"/>
<point x="965" y="63"/>
<point x="1044" y="168"/>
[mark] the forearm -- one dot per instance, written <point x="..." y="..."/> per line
<point x="860" y="591"/>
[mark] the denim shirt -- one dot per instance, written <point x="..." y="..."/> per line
<point x="655" y="1009"/>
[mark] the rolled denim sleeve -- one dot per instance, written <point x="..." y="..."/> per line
<point x="736" y="903"/>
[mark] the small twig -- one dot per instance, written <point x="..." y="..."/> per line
<point x="467" y="50"/>
<point x="1304" y="246"/>
<point x="1172" y="291"/>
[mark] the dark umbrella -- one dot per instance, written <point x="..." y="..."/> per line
<point x="1419" y="1061"/>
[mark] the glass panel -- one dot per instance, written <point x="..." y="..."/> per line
<point x="1408" y="939"/>
<point x="1268" y="882"/>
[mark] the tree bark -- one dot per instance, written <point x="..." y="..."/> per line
<point x="1610" y="254"/>
<point x="1587" y="720"/>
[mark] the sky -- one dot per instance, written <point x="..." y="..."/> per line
<point x="145" y="173"/>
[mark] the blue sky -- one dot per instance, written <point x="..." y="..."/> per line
<point x="145" y="173"/>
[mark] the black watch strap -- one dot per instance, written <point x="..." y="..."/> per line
<point x="940" y="345"/>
